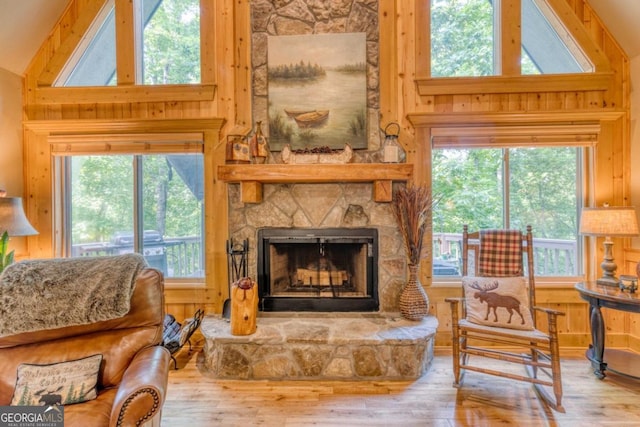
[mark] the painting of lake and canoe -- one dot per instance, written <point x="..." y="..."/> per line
<point x="317" y="90"/>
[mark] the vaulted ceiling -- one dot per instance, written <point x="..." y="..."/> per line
<point x="25" y="24"/>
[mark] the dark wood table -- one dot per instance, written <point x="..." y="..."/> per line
<point x="618" y="361"/>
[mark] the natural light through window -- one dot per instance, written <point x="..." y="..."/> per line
<point x="171" y="42"/>
<point x="462" y="41"/>
<point x="168" y="192"/>
<point x="508" y="188"/>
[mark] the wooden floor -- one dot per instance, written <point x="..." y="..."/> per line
<point x="196" y="399"/>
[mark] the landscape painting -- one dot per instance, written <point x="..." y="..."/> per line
<point x="317" y="90"/>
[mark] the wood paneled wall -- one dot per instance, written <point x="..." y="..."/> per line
<point x="407" y="94"/>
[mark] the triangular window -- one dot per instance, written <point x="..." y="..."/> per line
<point x="464" y="35"/>
<point x="169" y="51"/>
<point x="547" y="51"/>
<point x="94" y="62"/>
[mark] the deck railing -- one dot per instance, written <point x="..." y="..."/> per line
<point x="552" y="257"/>
<point x="181" y="256"/>
<point x="175" y="257"/>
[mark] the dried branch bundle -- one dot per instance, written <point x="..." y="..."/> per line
<point x="412" y="206"/>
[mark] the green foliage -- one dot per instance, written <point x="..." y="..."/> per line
<point x="172" y="43"/>
<point x="103" y="198"/>
<point x="6" y="258"/>
<point x="461" y="38"/>
<point x="542" y="190"/>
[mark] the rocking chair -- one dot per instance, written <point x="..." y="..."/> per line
<point x="496" y="317"/>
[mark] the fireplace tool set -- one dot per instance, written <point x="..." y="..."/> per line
<point x="237" y="262"/>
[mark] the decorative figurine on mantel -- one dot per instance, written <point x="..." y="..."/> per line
<point x="259" y="146"/>
<point x="391" y="151"/>
<point x="237" y="150"/>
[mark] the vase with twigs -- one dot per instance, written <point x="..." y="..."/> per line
<point x="412" y="207"/>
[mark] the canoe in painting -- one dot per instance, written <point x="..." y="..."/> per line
<point x="294" y="113"/>
<point x="311" y="119"/>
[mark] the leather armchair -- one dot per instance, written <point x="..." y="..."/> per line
<point x="133" y="376"/>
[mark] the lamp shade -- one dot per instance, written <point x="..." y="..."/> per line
<point x="12" y="218"/>
<point x="609" y="221"/>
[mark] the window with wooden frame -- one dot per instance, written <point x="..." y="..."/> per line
<point x="479" y="38"/>
<point x="132" y="193"/>
<point x="504" y="178"/>
<point x="159" y="45"/>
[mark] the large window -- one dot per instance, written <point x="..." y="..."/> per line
<point x="508" y="188"/>
<point x="151" y="204"/>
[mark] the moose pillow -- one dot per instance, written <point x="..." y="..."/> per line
<point x="57" y="384"/>
<point x="498" y="301"/>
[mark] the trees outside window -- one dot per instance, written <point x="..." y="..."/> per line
<point x="105" y="193"/>
<point x="462" y="41"/>
<point x="509" y="188"/>
<point x="464" y="38"/>
<point x="171" y="42"/>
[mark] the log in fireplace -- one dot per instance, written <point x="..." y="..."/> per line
<point x="331" y="269"/>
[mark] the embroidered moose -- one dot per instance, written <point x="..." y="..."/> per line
<point x="494" y="300"/>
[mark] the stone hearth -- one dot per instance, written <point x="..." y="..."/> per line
<point x="321" y="346"/>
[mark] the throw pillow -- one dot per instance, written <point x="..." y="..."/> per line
<point x="57" y="384"/>
<point x="498" y="301"/>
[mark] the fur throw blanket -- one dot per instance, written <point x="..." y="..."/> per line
<point x="54" y="293"/>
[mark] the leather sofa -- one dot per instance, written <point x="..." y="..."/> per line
<point x="132" y="379"/>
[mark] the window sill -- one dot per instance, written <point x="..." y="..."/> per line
<point x="184" y="284"/>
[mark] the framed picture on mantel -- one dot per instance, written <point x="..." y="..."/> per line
<point x="317" y="91"/>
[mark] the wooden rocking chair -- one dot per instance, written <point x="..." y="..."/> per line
<point x="499" y="258"/>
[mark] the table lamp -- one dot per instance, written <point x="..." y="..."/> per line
<point x="609" y="222"/>
<point x="13" y="222"/>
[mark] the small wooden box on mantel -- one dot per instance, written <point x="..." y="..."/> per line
<point x="251" y="177"/>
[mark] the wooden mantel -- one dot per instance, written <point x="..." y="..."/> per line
<point x="251" y="177"/>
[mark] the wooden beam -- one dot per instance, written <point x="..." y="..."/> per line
<point x="510" y="40"/>
<point x="118" y="94"/>
<point x="497" y="119"/>
<point x="251" y="192"/>
<point x="207" y="42"/>
<point x="125" y="42"/>
<point x="515" y="84"/>
<point x="317" y="173"/>
<point x="382" y="191"/>
<point x="70" y="127"/>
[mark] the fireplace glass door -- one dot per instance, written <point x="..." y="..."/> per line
<point x="317" y="269"/>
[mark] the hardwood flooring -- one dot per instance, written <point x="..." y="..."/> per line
<point x="196" y="399"/>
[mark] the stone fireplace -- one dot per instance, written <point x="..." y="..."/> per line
<point x="328" y="269"/>
<point x="342" y="210"/>
<point x="323" y="315"/>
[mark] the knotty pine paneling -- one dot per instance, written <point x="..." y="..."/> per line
<point x="403" y="52"/>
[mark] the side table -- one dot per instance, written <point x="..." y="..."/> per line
<point x="619" y="361"/>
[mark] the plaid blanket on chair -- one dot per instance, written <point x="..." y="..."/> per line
<point x="500" y="253"/>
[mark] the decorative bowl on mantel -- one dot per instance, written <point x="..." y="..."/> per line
<point x="322" y="155"/>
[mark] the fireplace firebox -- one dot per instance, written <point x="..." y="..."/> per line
<point x="331" y="269"/>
